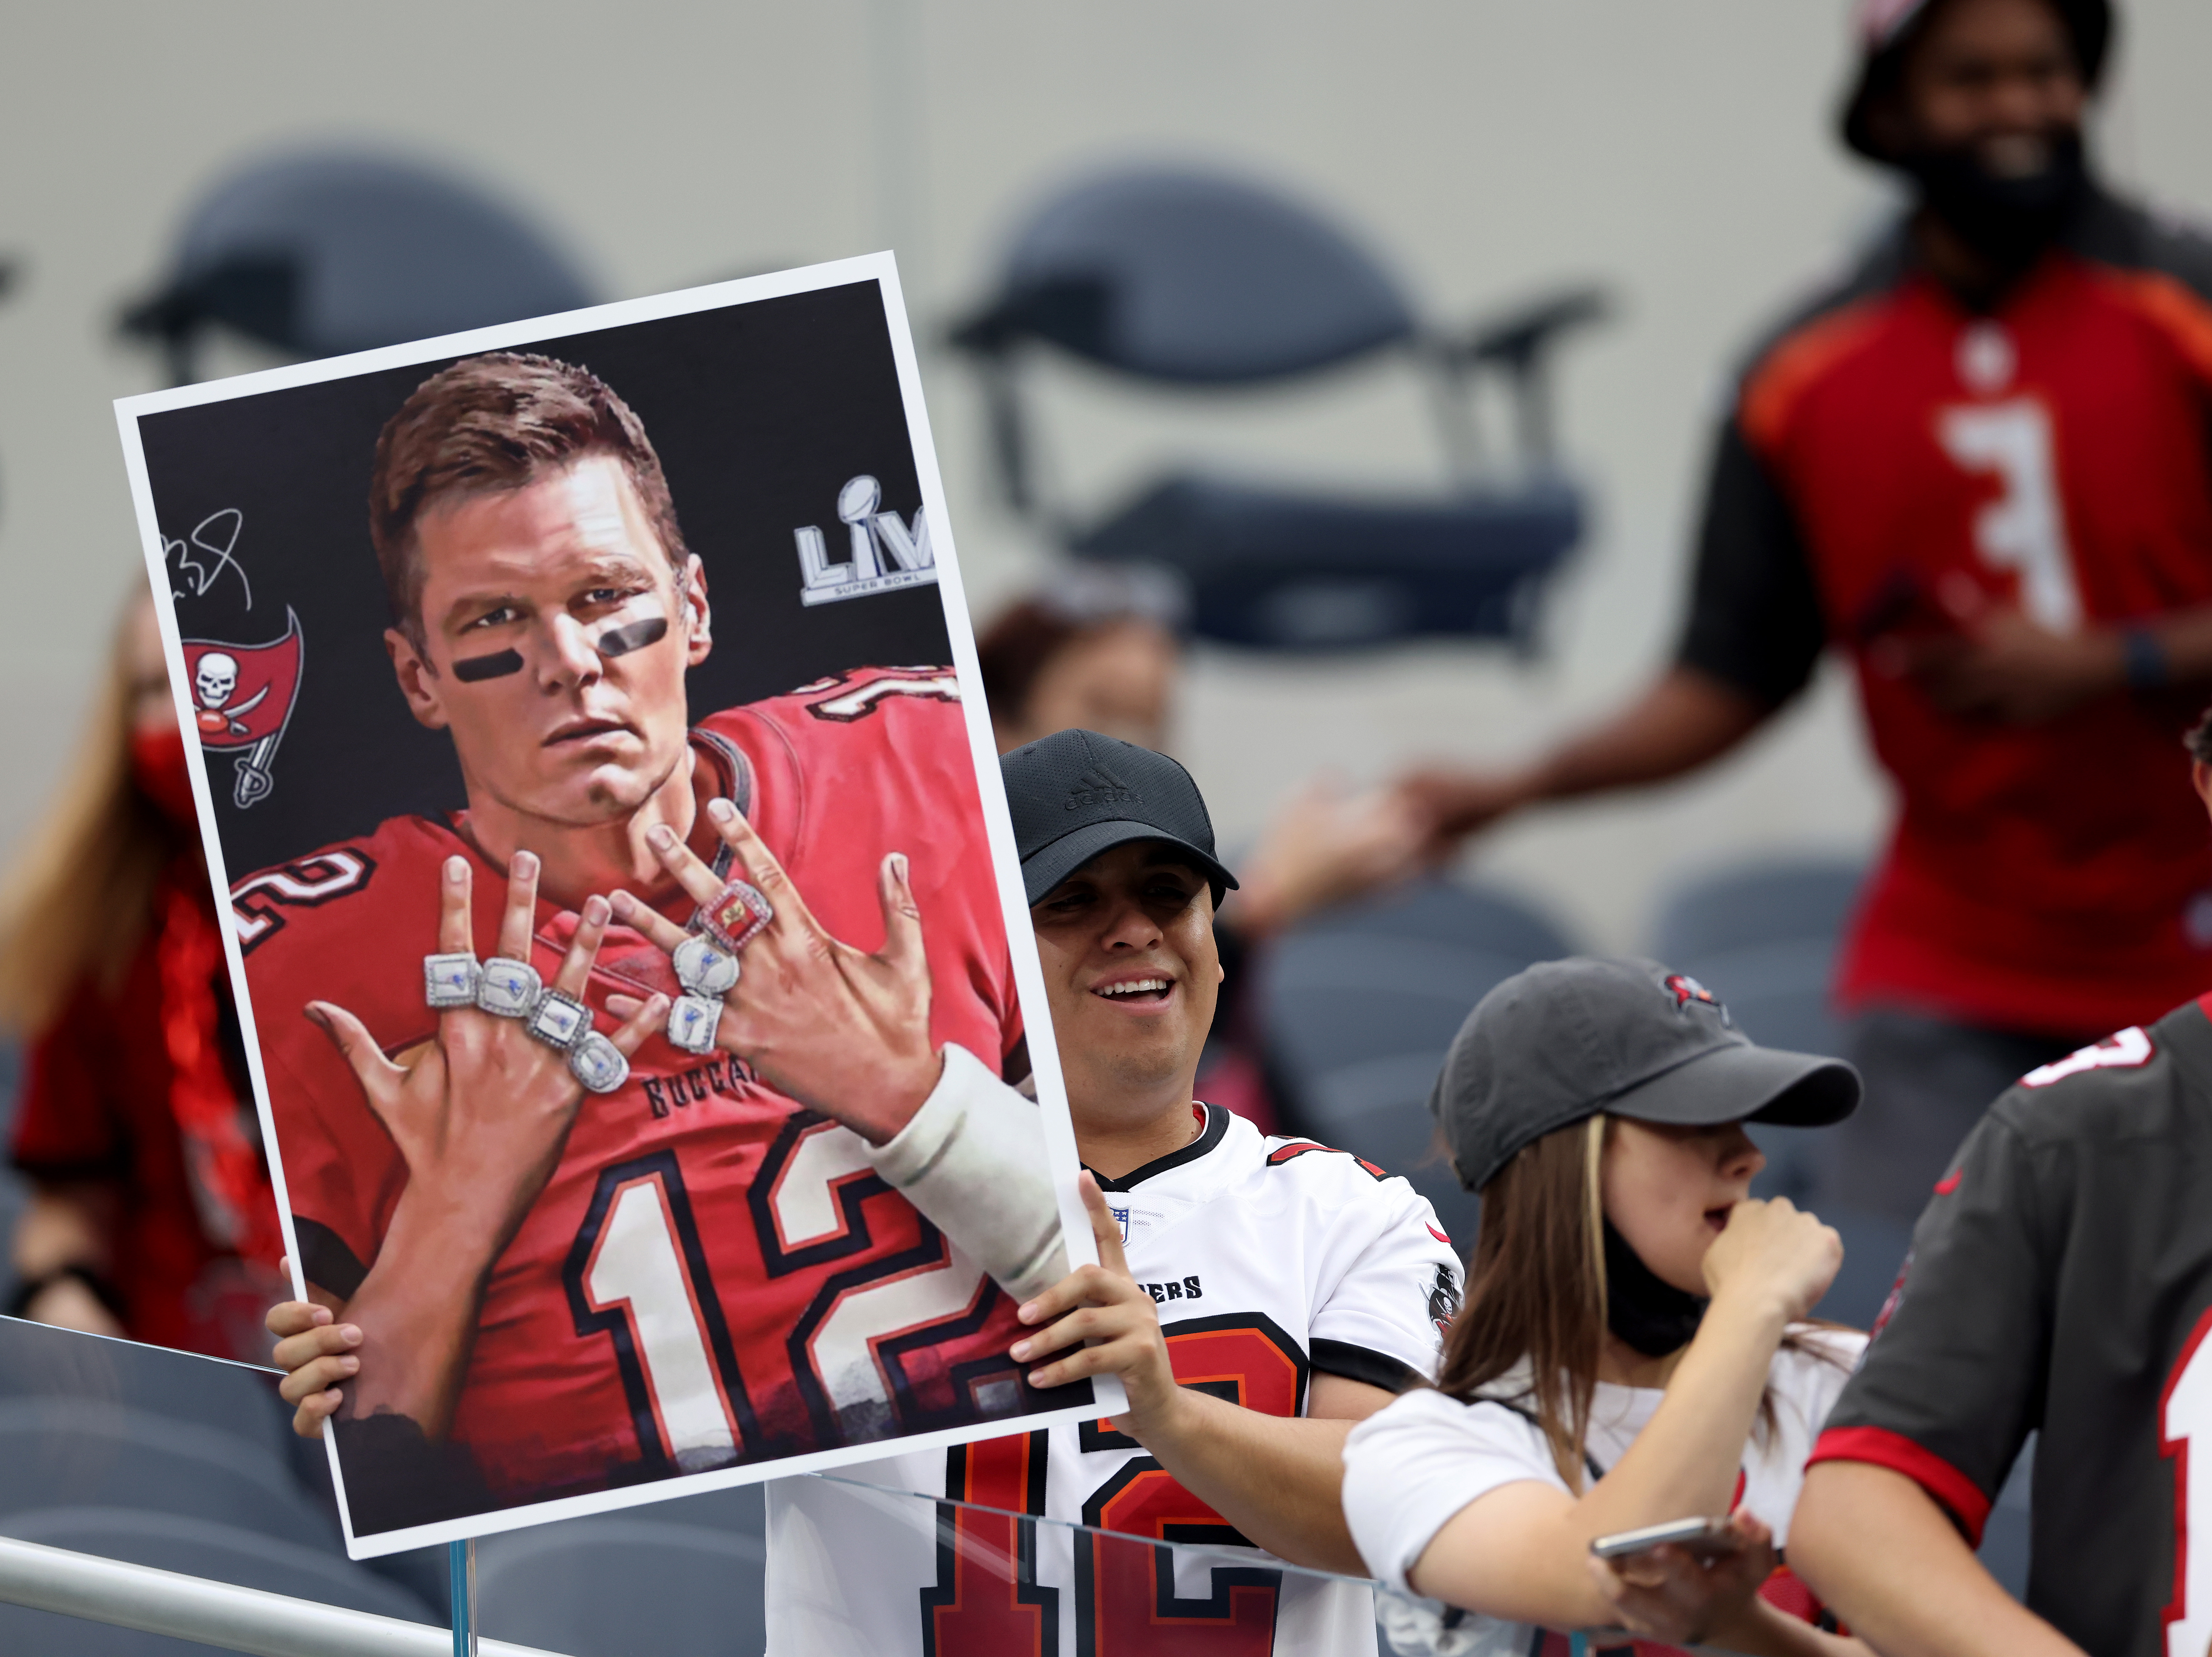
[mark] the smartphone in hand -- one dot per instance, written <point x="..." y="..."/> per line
<point x="1701" y="1538"/>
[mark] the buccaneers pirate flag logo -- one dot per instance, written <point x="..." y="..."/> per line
<point x="242" y="697"/>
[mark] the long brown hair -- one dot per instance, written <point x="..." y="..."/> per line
<point x="1535" y="1288"/>
<point x="80" y="897"/>
<point x="1536" y="1292"/>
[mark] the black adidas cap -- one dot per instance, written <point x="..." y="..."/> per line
<point x="1566" y="1039"/>
<point x="1075" y="793"/>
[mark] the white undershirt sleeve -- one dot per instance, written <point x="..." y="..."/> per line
<point x="972" y="1160"/>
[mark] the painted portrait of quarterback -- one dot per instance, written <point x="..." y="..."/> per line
<point x="631" y="978"/>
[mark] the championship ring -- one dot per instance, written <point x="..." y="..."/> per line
<point x="692" y="1022"/>
<point x="450" y="980"/>
<point x="735" y="916"/>
<point x="559" y="1021"/>
<point x="703" y="969"/>
<point x="597" y="1064"/>
<point x="508" y="987"/>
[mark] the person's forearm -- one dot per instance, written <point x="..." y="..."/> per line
<point x="1686" y="719"/>
<point x="1683" y="1465"/>
<point x="66" y="1225"/>
<point x="417" y="1309"/>
<point x="2185" y="639"/>
<point x="1522" y="1553"/>
<point x="1876" y="1547"/>
<point x="66" y="1230"/>
<point x="972" y="1160"/>
<point x="1765" y="1629"/>
<point x="1279" y="1480"/>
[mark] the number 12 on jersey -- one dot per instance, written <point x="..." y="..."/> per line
<point x="2185" y="1426"/>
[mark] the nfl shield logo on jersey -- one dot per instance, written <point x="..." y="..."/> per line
<point x="1120" y="1219"/>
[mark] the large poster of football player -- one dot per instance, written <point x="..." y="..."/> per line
<point x="627" y="935"/>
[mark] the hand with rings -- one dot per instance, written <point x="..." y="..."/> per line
<point x="840" y="1030"/>
<point x="484" y="1108"/>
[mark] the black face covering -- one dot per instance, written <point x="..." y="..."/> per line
<point x="2007" y="221"/>
<point x="1651" y="1315"/>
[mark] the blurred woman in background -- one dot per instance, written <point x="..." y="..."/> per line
<point x="1101" y="649"/>
<point x="151" y="1214"/>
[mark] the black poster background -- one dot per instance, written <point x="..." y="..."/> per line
<point x="760" y="411"/>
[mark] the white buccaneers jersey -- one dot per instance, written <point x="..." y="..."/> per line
<point x="1272" y="1259"/>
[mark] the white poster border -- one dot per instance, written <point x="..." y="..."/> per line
<point x="1029" y="977"/>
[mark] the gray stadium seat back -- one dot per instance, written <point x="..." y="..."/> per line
<point x="624" y="1586"/>
<point x="1763" y="938"/>
<point x="14" y="1190"/>
<point x="202" y="1548"/>
<point x="738" y="1511"/>
<point x="1184" y="275"/>
<point x="326" y="252"/>
<point x="39" y="1362"/>
<point x="1785" y="900"/>
<point x="1360" y="1003"/>
<point x="1874" y="1247"/>
<point x="84" y="1452"/>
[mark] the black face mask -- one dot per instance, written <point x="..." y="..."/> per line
<point x="1651" y="1315"/>
<point x="2007" y="221"/>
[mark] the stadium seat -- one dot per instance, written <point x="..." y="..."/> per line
<point x="2005" y="1534"/>
<point x="87" y="1452"/>
<point x="198" y="1547"/>
<point x="320" y="253"/>
<point x="15" y="1193"/>
<point x="1764" y="939"/>
<point x="1181" y="278"/>
<point x="1360" y="1004"/>
<point x="39" y="1361"/>
<point x="622" y="1586"/>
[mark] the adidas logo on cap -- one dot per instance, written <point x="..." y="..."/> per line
<point x="1099" y="786"/>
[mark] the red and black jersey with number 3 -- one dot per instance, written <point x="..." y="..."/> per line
<point x="2060" y="1283"/>
<point x="713" y="1272"/>
<point x="1899" y="468"/>
<point x="1274" y="1263"/>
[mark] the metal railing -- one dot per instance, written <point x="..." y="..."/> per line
<point x="214" y="1613"/>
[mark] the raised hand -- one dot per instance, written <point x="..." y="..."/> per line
<point x="844" y="1032"/>
<point x="480" y="1117"/>
<point x="2000" y="665"/>
<point x="1775" y="1250"/>
<point x="315" y="1351"/>
<point x="1104" y="1313"/>
<point x="483" y="1111"/>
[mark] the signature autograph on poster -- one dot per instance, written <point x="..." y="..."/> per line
<point x="201" y="558"/>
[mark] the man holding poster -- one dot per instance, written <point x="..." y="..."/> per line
<point x="620" y="1199"/>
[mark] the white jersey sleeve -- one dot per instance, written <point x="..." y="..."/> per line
<point x="1388" y="1280"/>
<point x="1410" y="1467"/>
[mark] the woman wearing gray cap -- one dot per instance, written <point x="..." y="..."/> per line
<point x="1632" y="1350"/>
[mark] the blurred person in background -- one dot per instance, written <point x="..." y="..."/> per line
<point x="151" y="1214"/>
<point x="1978" y="465"/>
<point x="1101" y="649"/>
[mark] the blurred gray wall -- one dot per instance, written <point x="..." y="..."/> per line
<point x="1680" y="153"/>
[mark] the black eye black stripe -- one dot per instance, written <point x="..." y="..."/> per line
<point x="621" y="640"/>
<point x="497" y="665"/>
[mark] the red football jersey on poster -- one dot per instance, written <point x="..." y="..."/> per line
<point x="713" y="1272"/>
<point x="1936" y="464"/>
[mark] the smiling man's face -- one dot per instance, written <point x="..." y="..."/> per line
<point x="556" y="637"/>
<point x="1132" y="971"/>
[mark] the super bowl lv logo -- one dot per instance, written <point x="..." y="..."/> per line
<point x="886" y="552"/>
<point x="242" y="697"/>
